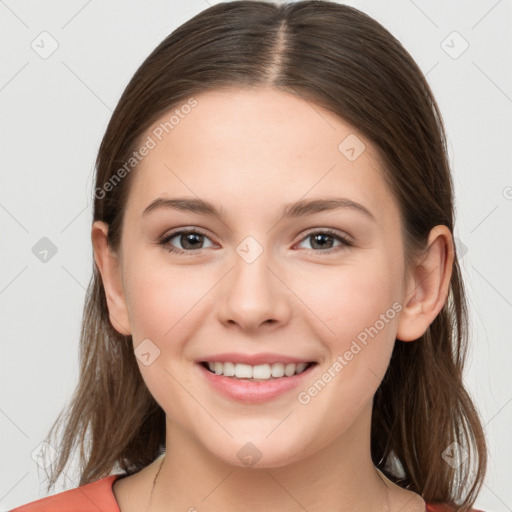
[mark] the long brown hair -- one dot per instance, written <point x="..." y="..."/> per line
<point x="339" y="58"/>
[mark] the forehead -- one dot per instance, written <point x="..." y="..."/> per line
<point x="255" y="148"/>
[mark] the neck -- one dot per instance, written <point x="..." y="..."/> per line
<point x="340" y="477"/>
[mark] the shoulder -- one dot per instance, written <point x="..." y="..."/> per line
<point x="440" y="507"/>
<point x="86" y="498"/>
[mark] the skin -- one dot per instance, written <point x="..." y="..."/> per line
<point x="250" y="152"/>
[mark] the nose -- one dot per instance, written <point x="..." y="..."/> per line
<point x="254" y="296"/>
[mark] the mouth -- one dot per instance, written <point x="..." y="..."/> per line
<point x="255" y="383"/>
<point x="256" y="373"/>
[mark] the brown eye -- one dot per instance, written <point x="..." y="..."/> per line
<point x="324" y="241"/>
<point x="187" y="241"/>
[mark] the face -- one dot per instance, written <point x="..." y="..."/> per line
<point x="264" y="282"/>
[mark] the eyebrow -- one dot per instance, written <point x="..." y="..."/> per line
<point x="299" y="208"/>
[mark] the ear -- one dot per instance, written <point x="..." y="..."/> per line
<point x="109" y="266"/>
<point x="427" y="285"/>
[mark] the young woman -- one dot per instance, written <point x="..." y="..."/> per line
<point x="276" y="318"/>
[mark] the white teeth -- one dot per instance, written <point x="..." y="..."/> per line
<point x="261" y="371"/>
<point x="243" y="371"/>
<point x="258" y="372"/>
<point x="301" y="367"/>
<point x="277" y="370"/>
<point x="228" y="370"/>
<point x="289" y="369"/>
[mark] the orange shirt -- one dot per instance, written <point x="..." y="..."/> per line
<point x="98" y="496"/>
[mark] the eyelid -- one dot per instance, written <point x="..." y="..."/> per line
<point x="328" y="231"/>
<point x="185" y="229"/>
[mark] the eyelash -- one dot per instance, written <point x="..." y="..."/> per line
<point x="164" y="241"/>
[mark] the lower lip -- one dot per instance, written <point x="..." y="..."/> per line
<point x="254" y="392"/>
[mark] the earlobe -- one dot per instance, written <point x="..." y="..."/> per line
<point x="110" y="270"/>
<point x="428" y="286"/>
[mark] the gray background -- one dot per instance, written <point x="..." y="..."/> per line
<point x="54" y="113"/>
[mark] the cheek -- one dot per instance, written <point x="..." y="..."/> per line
<point x="160" y="301"/>
<point x="349" y="299"/>
<point x="164" y="306"/>
<point x="357" y="310"/>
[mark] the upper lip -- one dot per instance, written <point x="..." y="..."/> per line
<point x="253" y="359"/>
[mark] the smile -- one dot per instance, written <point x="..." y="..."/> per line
<point x="259" y="372"/>
<point x="254" y="384"/>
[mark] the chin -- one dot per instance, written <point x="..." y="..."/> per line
<point x="258" y="453"/>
